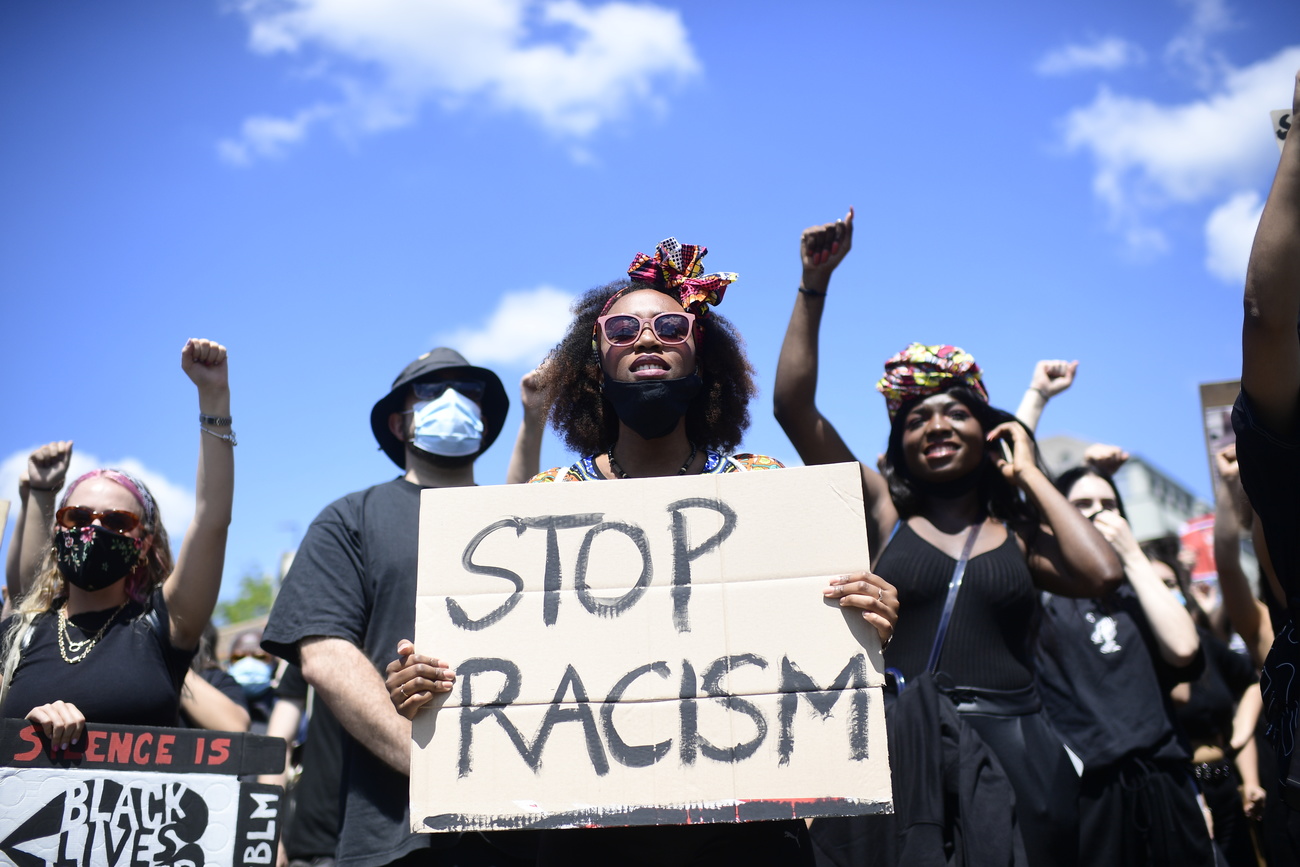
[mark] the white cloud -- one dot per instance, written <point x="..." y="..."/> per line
<point x="570" y="67"/>
<point x="1106" y="54"/>
<point x="521" y="330"/>
<point x="1190" y="46"/>
<point x="1150" y="155"/>
<point x="175" y="503"/>
<point x="1229" y="233"/>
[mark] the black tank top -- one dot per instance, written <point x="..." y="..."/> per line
<point x="988" y="636"/>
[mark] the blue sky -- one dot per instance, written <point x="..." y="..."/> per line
<point x="331" y="187"/>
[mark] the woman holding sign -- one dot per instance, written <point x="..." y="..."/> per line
<point x="106" y="632"/>
<point x="960" y="487"/>
<point x="649" y="381"/>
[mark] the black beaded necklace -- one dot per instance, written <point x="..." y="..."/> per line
<point x="622" y="473"/>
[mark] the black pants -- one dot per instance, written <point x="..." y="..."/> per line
<point x="1138" y="813"/>
<point x="753" y="844"/>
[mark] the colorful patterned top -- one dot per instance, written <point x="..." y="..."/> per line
<point x="714" y="462"/>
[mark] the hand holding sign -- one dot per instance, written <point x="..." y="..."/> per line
<point x="877" y="598"/>
<point x="412" y="679"/>
<point x="61" y="722"/>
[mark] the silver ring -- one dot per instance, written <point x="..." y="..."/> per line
<point x="405" y="694"/>
<point x="881" y="596"/>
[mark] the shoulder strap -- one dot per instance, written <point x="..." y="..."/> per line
<point x="958" y="572"/>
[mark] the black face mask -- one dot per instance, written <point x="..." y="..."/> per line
<point x="93" y="558"/>
<point x="652" y="408"/>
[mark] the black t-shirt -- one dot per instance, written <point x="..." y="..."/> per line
<point x="314" y="829"/>
<point x="1207" y="717"/>
<point x="132" y="676"/>
<point x="1104" y="683"/>
<point x="354" y="578"/>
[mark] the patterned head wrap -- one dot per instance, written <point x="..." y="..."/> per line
<point x="675" y="268"/>
<point x="680" y="267"/>
<point x="126" y="480"/>
<point x="920" y="371"/>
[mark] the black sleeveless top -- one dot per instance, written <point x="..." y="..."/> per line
<point x="988" y="636"/>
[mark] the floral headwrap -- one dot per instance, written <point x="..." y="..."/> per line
<point x="679" y="266"/>
<point x="920" y="371"/>
<point x="676" y="267"/>
<point x="126" y="480"/>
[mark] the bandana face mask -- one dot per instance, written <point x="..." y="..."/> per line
<point x="653" y="408"/>
<point x="450" y="425"/>
<point x="93" y="558"/>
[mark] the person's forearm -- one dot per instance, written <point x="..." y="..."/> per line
<point x="526" y="459"/>
<point x="1031" y="408"/>
<point x="1094" y="567"/>
<point x="33" y="538"/>
<point x="795" y="388"/>
<point x="194" y="584"/>
<point x="355" y="692"/>
<point x="1270" y="352"/>
<point x="286" y="716"/>
<point x="209" y="708"/>
<point x="1245" y="720"/>
<point x="1238" y="600"/>
<point x="1171" y="624"/>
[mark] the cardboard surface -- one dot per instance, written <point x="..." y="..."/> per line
<point x="1217" y="399"/>
<point x="134" y="796"/>
<point x="1281" y="124"/>
<point x="650" y="651"/>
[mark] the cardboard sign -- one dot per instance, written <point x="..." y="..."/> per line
<point x="1217" y="399"/>
<point x="652" y="651"/>
<point x="1281" y="123"/>
<point x="138" y="797"/>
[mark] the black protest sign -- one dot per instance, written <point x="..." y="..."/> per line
<point x="647" y="652"/>
<point x="130" y="796"/>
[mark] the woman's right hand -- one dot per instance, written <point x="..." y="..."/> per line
<point x="413" y="680"/>
<point x="61" y="722"/>
<point x="47" y="468"/>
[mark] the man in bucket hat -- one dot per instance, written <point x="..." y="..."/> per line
<point x="350" y="596"/>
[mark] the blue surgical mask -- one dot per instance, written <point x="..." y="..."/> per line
<point x="253" y="674"/>
<point x="1178" y="594"/>
<point x="450" y="425"/>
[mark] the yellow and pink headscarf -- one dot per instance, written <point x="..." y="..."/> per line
<point x="921" y="370"/>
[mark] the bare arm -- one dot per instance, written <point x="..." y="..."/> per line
<point x="1270" y="369"/>
<point x="191" y="590"/>
<point x="526" y="459"/>
<point x="1067" y="556"/>
<point x="1171" y="625"/>
<point x="210" y="708"/>
<point x="1248" y="615"/>
<point x="13" y="579"/>
<point x="822" y="248"/>
<point x="1050" y="378"/>
<point x="1247" y="757"/>
<point x="47" y="470"/>
<point x="355" y="692"/>
<point x="286" y="716"/>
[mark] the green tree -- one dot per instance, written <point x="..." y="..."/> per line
<point x="253" y="600"/>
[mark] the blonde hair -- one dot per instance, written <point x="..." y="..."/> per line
<point x="50" y="586"/>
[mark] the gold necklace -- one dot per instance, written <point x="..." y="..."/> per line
<point x="78" y="650"/>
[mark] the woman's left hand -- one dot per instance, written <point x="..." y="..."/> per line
<point x="1016" y="438"/>
<point x="412" y="679"/>
<point x="876" y="597"/>
<point x="204" y="362"/>
<point x="61" y="722"/>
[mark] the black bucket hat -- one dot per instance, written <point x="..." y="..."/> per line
<point x="439" y="362"/>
